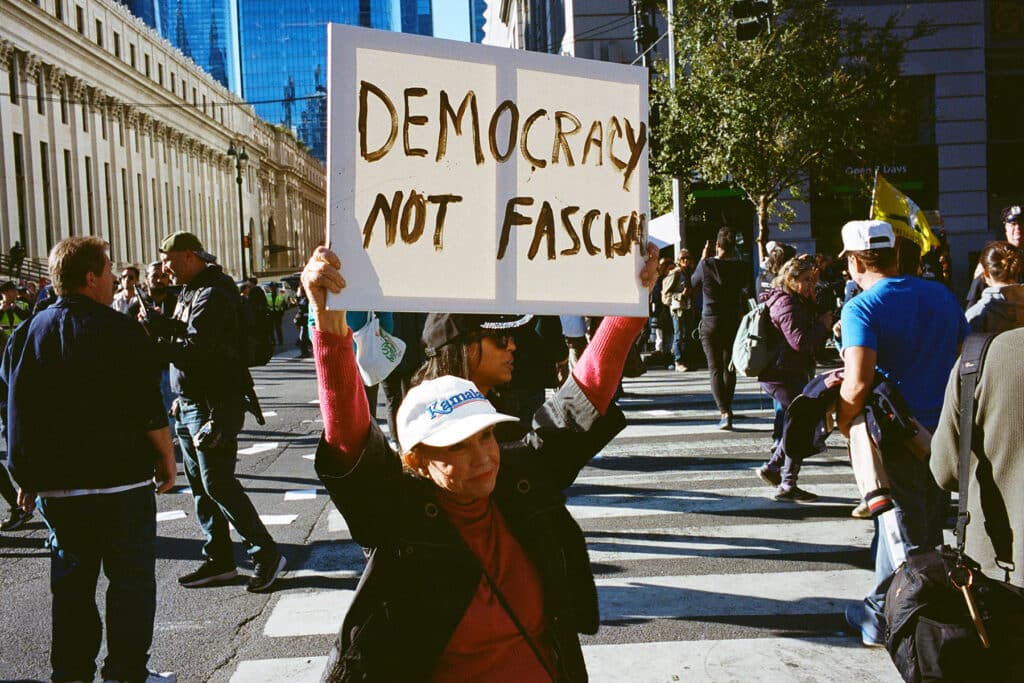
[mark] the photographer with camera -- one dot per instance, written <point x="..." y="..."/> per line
<point x="209" y="376"/>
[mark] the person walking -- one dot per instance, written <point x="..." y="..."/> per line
<point x="1001" y="304"/>
<point x="726" y="285"/>
<point x="510" y="583"/>
<point x="677" y="294"/>
<point x="277" y="304"/>
<point x="911" y="330"/>
<point x="791" y="308"/>
<point x="95" y="469"/>
<point x="209" y="377"/>
<point x="995" y="495"/>
<point x="13" y="311"/>
<point x="17" y="259"/>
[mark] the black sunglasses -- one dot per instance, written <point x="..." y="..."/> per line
<point x="500" y="339"/>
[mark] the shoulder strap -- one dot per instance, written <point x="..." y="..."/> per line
<point x="972" y="360"/>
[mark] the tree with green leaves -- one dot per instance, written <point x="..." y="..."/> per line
<point x="772" y="114"/>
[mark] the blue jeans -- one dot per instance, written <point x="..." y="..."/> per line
<point x="117" y="531"/>
<point x="219" y="497"/>
<point x="168" y="397"/>
<point x="920" y="511"/>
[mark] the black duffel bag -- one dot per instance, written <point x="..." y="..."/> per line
<point x="931" y="634"/>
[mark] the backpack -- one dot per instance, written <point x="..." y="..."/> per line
<point x="756" y="345"/>
<point x="254" y="329"/>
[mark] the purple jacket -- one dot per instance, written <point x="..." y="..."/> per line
<point x="793" y="316"/>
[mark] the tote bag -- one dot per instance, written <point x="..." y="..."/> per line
<point x="377" y="352"/>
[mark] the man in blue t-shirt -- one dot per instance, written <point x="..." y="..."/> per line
<point x="910" y="330"/>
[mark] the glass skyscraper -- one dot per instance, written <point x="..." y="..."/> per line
<point x="273" y="53"/>
<point x="202" y="29"/>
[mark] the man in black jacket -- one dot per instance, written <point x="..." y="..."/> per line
<point x="209" y="376"/>
<point x="95" y="466"/>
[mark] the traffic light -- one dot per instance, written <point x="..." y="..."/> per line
<point x="753" y="17"/>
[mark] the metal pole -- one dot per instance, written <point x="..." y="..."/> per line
<point x="677" y="199"/>
<point x="242" y="218"/>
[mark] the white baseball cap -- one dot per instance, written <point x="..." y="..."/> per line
<point x="864" y="235"/>
<point x="444" y="411"/>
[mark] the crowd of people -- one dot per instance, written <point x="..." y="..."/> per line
<point x="465" y="492"/>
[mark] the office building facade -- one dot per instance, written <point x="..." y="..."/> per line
<point x="109" y="130"/>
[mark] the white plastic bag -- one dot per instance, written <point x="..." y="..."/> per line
<point x="377" y="352"/>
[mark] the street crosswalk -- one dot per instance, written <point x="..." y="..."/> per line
<point x="701" y="575"/>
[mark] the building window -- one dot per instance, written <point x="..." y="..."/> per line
<point x="58" y="9"/>
<point x="117" y="44"/>
<point x="103" y="124"/>
<point x="20" y="188"/>
<point x="131" y="55"/>
<point x="174" y="86"/>
<point x="160" y="74"/>
<point x="120" y="131"/>
<point x="80" y="19"/>
<point x="69" y="191"/>
<point x="194" y="97"/>
<point x="89" y="199"/>
<point x="85" y="117"/>
<point x="145" y="59"/>
<point x="140" y="186"/>
<point x="40" y="93"/>
<point x="126" y="217"/>
<point x="99" y="33"/>
<point x="109" y="199"/>
<point x="12" y="78"/>
<point x="204" y="104"/>
<point x="44" y="167"/>
<point x="64" y="102"/>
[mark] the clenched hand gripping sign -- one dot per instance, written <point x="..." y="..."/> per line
<point x="464" y="178"/>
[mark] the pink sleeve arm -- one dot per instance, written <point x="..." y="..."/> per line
<point x="600" y="367"/>
<point x="342" y="397"/>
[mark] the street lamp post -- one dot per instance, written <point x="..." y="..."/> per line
<point x="240" y="158"/>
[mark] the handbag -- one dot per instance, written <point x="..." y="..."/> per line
<point x="377" y="352"/>
<point x="946" y="620"/>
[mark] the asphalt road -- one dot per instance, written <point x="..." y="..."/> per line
<point x="701" y="575"/>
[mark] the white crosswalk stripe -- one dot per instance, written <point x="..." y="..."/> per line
<point x="674" y="527"/>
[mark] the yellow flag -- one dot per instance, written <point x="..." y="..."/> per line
<point x="907" y="219"/>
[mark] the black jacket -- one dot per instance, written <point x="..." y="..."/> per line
<point x="420" y="576"/>
<point x="203" y="343"/>
<point x="79" y="390"/>
<point x="726" y="284"/>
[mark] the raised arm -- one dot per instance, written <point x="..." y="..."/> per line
<point x="342" y="397"/>
<point x="600" y="367"/>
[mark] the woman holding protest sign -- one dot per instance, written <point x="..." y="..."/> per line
<point x="476" y="568"/>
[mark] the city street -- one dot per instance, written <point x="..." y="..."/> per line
<point x="700" y="574"/>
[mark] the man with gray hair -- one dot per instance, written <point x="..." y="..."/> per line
<point x="95" y="468"/>
<point x="910" y="330"/>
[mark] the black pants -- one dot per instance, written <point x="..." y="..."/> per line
<point x="716" y="336"/>
<point x="7" y="489"/>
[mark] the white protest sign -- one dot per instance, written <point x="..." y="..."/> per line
<point x="473" y="179"/>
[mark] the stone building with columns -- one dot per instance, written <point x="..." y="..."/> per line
<point x="106" y="129"/>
